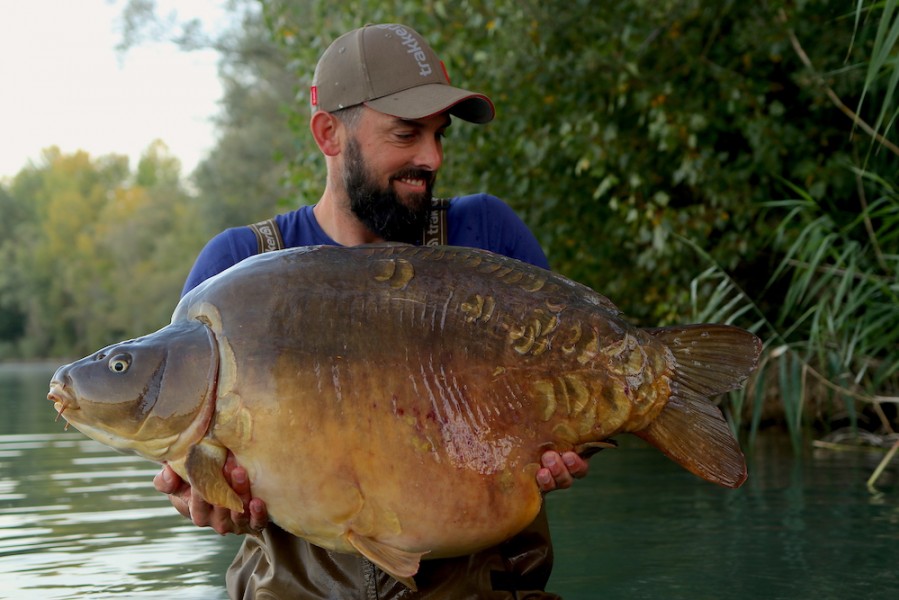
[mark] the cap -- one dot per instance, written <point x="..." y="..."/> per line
<point x="390" y="68"/>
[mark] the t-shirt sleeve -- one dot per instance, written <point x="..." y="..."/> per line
<point x="221" y="252"/>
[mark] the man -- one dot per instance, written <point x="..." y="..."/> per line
<point x="381" y="105"/>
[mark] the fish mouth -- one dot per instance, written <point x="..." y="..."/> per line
<point x="62" y="399"/>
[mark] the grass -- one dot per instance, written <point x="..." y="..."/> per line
<point x="829" y="316"/>
<point x="830" y="312"/>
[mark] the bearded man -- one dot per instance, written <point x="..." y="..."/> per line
<point x="382" y="103"/>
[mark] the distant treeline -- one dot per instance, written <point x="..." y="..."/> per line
<point x="730" y="161"/>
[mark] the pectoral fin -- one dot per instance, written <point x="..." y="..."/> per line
<point x="204" y="471"/>
<point x="399" y="564"/>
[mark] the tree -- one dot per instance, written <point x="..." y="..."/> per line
<point x="242" y="180"/>
<point x="93" y="257"/>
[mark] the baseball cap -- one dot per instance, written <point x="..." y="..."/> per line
<point x="391" y="69"/>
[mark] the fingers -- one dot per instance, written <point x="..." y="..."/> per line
<point x="252" y="519"/>
<point x="258" y="516"/>
<point x="202" y="513"/>
<point x="167" y="481"/>
<point x="560" y="471"/>
<point x="219" y="518"/>
<point x="576" y="464"/>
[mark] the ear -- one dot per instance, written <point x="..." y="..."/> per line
<point x="327" y="132"/>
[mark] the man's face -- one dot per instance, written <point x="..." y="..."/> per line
<point x="390" y="166"/>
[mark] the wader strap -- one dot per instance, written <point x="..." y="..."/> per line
<point x="436" y="231"/>
<point x="268" y="236"/>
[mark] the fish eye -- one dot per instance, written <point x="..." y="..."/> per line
<point x="120" y="363"/>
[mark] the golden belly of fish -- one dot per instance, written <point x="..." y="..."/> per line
<point x="394" y="401"/>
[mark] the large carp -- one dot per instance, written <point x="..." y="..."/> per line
<point x="394" y="401"/>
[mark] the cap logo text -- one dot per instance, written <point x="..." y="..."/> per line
<point x="413" y="48"/>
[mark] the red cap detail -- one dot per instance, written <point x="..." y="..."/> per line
<point x="313" y="95"/>
<point x="445" y="73"/>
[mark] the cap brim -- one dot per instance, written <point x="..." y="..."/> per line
<point x="431" y="99"/>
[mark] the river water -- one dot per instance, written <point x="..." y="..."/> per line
<point x="78" y="520"/>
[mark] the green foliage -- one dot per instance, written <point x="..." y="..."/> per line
<point x="93" y="254"/>
<point x="830" y="309"/>
<point x="833" y="319"/>
<point x="883" y="64"/>
<point x="243" y="178"/>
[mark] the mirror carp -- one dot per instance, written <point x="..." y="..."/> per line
<point x="394" y="401"/>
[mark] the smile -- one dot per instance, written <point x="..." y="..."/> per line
<point x="412" y="181"/>
<point x="413" y="185"/>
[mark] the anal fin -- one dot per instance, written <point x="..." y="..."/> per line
<point x="399" y="564"/>
<point x="204" y="471"/>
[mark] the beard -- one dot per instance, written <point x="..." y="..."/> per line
<point x="379" y="208"/>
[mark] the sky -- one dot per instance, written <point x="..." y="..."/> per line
<point x="63" y="83"/>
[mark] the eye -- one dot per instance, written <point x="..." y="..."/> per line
<point x="120" y="363"/>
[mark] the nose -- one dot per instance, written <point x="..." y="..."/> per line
<point x="429" y="154"/>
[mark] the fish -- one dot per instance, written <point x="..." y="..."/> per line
<point x="394" y="401"/>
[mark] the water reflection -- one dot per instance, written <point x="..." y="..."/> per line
<point x="78" y="520"/>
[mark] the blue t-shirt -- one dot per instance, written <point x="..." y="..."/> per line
<point x="476" y="221"/>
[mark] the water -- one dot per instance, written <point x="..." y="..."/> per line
<point x="797" y="529"/>
<point x="78" y="520"/>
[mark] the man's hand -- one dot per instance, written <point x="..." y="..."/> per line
<point x="560" y="471"/>
<point x="253" y="519"/>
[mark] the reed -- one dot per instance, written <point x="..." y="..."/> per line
<point x="832" y="333"/>
<point x="829" y="314"/>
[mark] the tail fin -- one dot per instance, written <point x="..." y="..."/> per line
<point x="711" y="360"/>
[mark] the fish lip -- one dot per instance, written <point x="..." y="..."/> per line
<point x="61" y="398"/>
